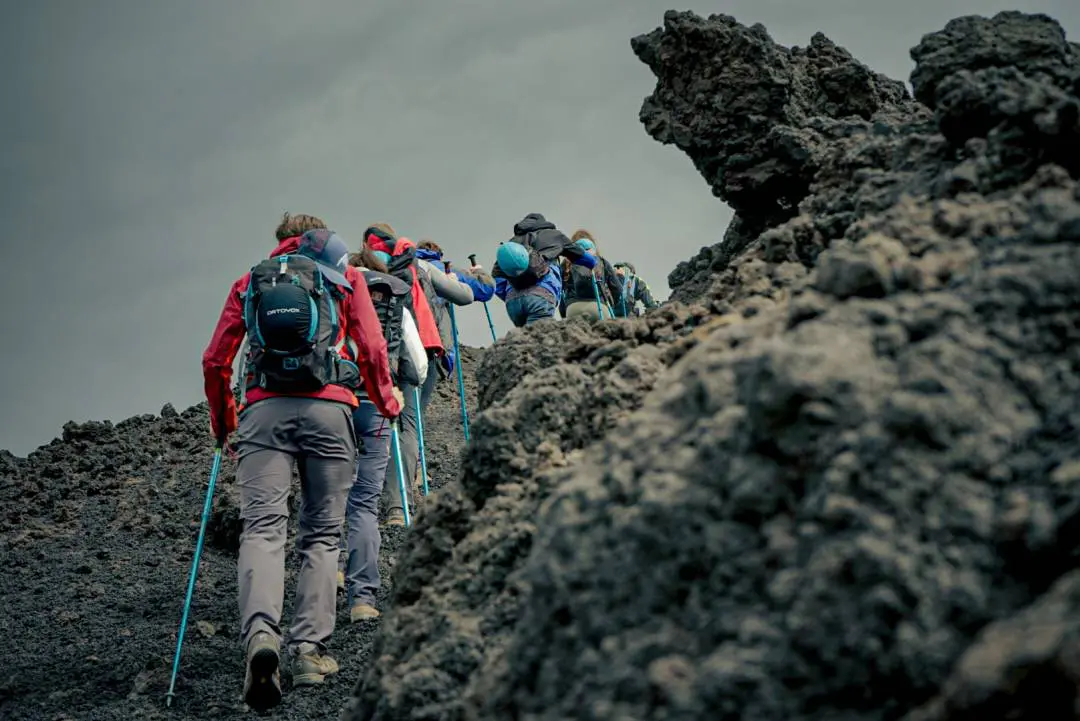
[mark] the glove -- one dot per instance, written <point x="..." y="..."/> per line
<point x="446" y="361"/>
<point x="223" y="422"/>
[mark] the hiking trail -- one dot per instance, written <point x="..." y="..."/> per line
<point x="96" y="538"/>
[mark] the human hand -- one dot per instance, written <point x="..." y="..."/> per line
<point x="222" y="424"/>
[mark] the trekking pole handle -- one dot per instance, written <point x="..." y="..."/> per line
<point x="472" y="258"/>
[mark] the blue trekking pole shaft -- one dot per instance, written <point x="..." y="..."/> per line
<point x="596" y="294"/>
<point x="402" y="485"/>
<point x="460" y="376"/>
<point x="194" y="571"/>
<point x="487" y="311"/>
<point x="420" y="437"/>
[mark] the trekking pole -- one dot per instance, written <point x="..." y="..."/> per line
<point x="420" y="437"/>
<point x="460" y="377"/>
<point x="396" y="440"/>
<point x="194" y="569"/>
<point x="487" y="311"/>
<point x="596" y="294"/>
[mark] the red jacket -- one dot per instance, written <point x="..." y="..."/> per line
<point x="425" y="318"/>
<point x="361" y="324"/>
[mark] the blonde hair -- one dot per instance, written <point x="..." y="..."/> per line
<point x="366" y="258"/>
<point x="582" y="233"/>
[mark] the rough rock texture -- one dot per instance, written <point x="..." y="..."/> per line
<point x="549" y="390"/>
<point x="97" y="530"/>
<point x="755" y="118"/>
<point x="845" y="486"/>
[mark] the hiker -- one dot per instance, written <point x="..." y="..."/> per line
<point x="301" y="389"/>
<point x="454" y="286"/>
<point x="527" y="278"/>
<point x="409" y="365"/>
<point x="635" y="290"/>
<point x="451" y="285"/>
<point x="581" y="285"/>
<point x="404" y="264"/>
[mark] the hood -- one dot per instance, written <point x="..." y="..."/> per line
<point x="403" y="257"/>
<point x="393" y="246"/>
<point x="531" y="223"/>
<point x="289" y="245"/>
<point x="430" y="256"/>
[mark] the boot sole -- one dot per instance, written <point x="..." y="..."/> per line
<point x="265" y="692"/>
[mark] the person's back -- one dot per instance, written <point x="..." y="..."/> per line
<point x="297" y="309"/>
<point x="592" y="292"/>
<point x="451" y="285"/>
<point x="527" y="276"/>
<point x="380" y="237"/>
<point x="360" y="574"/>
<point x="635" y="290"/>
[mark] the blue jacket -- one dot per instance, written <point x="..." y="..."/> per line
<point x="538" y="233"/>
<point x="552" y="282"/>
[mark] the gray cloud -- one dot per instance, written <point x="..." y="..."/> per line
<point x="150" y="147"/>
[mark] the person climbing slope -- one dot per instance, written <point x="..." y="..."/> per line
<point x="403" y="264"/>
<point x="527" y="276"/>
<point x="450" y="285"/>
<point x="580" y="284"/>
<point x="454" y="286"/>
<point x="301" y="383"/>
<point x="635" y="290"/>
<point x="409" y="365"/>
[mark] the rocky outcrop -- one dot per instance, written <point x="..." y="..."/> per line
<point x="841" y="477"/>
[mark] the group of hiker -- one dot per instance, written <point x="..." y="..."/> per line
<point x="540" y="271"/>
<point x="342" y="353"/>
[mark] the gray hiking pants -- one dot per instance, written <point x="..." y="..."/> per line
<point x="410" y="442"/>
<point x="272" y="435"/>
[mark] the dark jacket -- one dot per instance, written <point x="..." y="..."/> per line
<point x="635" y="289"/>
<point x="578" y="286"/>
<point x="538" y="233"/>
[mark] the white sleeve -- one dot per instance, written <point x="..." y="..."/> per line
<point x="413" y="345"/>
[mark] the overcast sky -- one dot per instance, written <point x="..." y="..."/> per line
<point x="149" y="149"/>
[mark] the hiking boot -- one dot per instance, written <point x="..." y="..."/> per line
<point x="310" y="666"/>
<point x="262" y="682"/>
<point x="362" y="612"/>
<point x="395" y="517"/>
